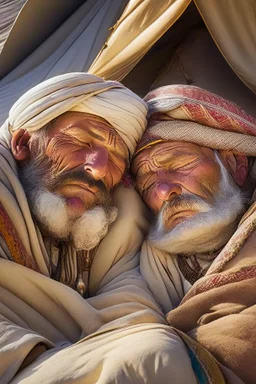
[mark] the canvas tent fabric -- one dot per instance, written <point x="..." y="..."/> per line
<point x="68" y="48"/>
<point x="232" y="26"/>
<point x="197" y="61"/>
<point x="8" y="14"/>
<point x="121" y="33"/>
<point x="19" y="18"/>
<point x="135" y="26"/>
<point x="135" y="30"/>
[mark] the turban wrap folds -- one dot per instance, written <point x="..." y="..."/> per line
<point x="77" y="91"/>
<point x="192" y="114"/>
<point x="81" y="92"/>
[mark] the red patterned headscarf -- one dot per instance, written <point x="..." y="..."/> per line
<point x="192" y="114"/>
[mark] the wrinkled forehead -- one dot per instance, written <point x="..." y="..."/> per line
<point x="69" y="119"/>
<point x="86" y="122"/>
<point x="172" y="148"/>
<point x="86" y="127"/>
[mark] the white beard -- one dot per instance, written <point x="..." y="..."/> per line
<point x="84" y="232"/>
<point x="207" y="230"/>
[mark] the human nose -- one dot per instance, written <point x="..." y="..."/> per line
<point x="168" y="191"/>
<point x="96" y="162"/>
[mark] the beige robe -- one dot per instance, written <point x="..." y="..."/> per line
<point x="120" y="333"/>
<point x="218" y="310"/>
<point x="117" y="335"/>
<point x="36" y="309"/>
<point x="163" y="276"/>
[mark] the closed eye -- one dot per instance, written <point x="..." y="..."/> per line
<point x="81" y="143"/>
<point x="185" y="167"/>
<point x="148" y="184"/>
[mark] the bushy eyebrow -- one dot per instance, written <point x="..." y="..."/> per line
<point x="142" y="163"/>
<point x="112" y="137"/>
<point x="82" y="131"/>
<point x="96" y="136"/>
<point x="174" y="155"/>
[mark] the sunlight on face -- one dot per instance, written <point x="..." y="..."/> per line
<point x="175" y="168"/>
<point x="75" y="163"/>
<point x="79" y="141"/>
<point x="194" y="198"/>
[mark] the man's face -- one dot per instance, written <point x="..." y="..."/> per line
<point x="75" y="162"/>
<point x="191" y="193"/>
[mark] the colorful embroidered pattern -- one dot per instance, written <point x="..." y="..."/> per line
<point x="16" y="248"/>
<point x="213" y="277"/>
<point x="203" y="107"/>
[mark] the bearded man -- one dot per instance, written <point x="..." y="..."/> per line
<point x="72" y="137"/>
<point x="194" y="169"/>
<point x="64" y="149"/>
<point x="50" y="332"/>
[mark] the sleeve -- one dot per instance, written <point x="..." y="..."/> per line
<point x="19" y="347"/>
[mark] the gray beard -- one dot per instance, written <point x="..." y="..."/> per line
<point x="51" y="213"/>
<point x="207" y="230"/>
<point x="84" y="232"/>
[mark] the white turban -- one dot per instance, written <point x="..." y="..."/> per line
<point x="81" y="92"/>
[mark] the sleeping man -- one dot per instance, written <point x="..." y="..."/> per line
<point x="73" y="305"/>
<point x="64" y="149"/>
<point x="194" y="170"/>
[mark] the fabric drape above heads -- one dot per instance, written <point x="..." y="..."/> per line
<point x="142" y="23"/>
<point x="82" y="92"/>
<point x="232" y="26"/>
<point x="192" y="114"/>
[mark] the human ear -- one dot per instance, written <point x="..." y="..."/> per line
<point x="19" y="145"/>
<point x="237" y="165"/>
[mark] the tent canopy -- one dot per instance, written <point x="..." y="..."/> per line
<point x="144" y="43"/>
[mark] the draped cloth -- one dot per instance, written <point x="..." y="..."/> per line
<point x="120" y="33"/>
<point x="34" y="309"/>
<point x="218" y="310"/>
<point x="238" y="48"/>
<point x="49" y="333"/>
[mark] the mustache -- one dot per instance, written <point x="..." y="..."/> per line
<point x="76" y="176"/>
<point x="38" y="174"/>
<point x="184" y="203"/>
<point x="80" y="176"/>
<point x="42" y="164"/>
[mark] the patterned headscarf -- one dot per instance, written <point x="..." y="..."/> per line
<point x="192" y="114"/>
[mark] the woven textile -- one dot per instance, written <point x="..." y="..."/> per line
<point x="188" y="113"/>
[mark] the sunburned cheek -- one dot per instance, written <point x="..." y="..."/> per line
<point x="68" y="159"/>
<point x="113" y="177"/>
<point x="151" y="200"/>
<point x="116" y="170"/>
<point x="204" y="178"/>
